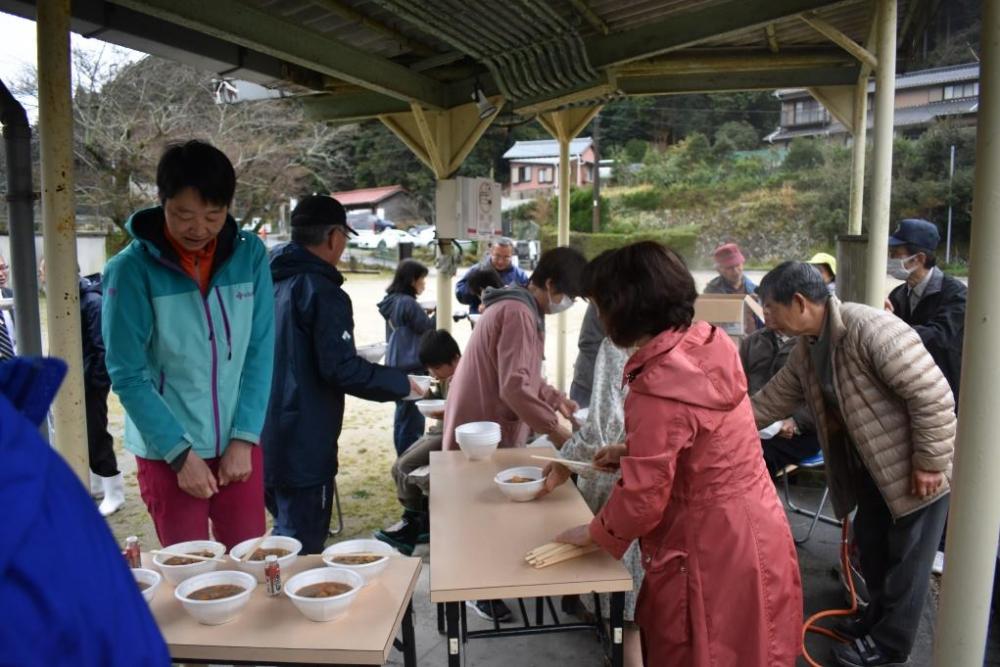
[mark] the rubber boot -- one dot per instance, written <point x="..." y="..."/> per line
<point x="114" y="495"/>
<point x="96" y="488"/>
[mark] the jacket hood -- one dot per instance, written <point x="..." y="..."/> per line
<point x="698" y="366"/>
<point x="88" y="286"/>
<point x="515" y="293"/>
<point x="388" y="307"/>
<point x="292" y="259"/>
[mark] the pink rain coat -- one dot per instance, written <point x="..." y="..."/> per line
<point x="722" y="584"/>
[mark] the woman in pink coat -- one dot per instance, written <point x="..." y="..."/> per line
<point x="722" y="583"/>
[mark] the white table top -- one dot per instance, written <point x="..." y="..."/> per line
<point x="479" y="537"/>
<point x="272" y="629"/>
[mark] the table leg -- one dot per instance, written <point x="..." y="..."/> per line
<point x="617" y="629"/>
<point x="454" y="638"/>
<point x="409" y="640"/>
<point x="440" y="610"/>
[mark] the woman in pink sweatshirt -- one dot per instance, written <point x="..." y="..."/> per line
<point x="500" y="377"/>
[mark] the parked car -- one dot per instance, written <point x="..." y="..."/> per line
<point x="386" y="239"/>
<point x="366" y="224"/>
<point x="425" y="236"/>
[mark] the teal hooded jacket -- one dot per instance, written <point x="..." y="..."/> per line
<point x="192" y="371"/>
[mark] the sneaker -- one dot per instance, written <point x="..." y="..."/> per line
<point x="491" y="610"/>
<point x="402" y="536"/>
<point x="850" y="628"/>
<point x="864" y="652"/>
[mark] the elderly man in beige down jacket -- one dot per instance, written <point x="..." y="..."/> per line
<point x="886" y="422"/>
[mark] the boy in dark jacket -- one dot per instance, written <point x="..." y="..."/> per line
<point x="315" y="366"/>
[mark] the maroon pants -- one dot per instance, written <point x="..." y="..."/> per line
<point x="236" y="512"/>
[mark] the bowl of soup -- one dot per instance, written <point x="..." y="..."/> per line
<point x="325" y="593"/>
<point x="285" y="548"/>
<point x="367" y="558"/>
<point x="147" y="581"/>
<point x="432" y="408"/>
<point x="176" y="568"/>
<point x="215" y="598"/>
<point x="520" y="484"/>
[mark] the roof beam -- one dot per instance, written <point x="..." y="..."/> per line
<point x="747" y="61"/>
<point x="593" y="19"/>
<point x="772" y="38"/>
<point x="253" y="28"/>
<point x="680" y="30"/>
<point x="768" y="79"/>
<point x="840" y="39"/>
<point x="350" y="107"/>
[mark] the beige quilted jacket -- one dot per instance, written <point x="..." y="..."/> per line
<point x="897" y="406"/>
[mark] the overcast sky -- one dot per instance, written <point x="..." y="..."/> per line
<point x="18" y="50"/>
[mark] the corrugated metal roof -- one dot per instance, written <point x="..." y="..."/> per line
<point x="545" y="148"/>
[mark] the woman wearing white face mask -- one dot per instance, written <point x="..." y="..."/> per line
<point x="500" y="378"/>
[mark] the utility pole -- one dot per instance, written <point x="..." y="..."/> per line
<point x="597" y="174"/>
<point x="951" y="177"/>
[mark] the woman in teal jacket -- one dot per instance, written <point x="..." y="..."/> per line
<point x="188" y="323"/>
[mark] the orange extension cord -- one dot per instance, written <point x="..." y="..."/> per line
<point x="810" y="624"/>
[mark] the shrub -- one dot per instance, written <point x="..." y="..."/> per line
<point x="681" y="239"/>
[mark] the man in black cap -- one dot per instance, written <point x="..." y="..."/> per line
<point x="315" y="365"/>
<point x="930" y="301"/>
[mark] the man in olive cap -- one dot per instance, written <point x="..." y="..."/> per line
<point x="316" y="365"/>
<point x="929" y="301"/>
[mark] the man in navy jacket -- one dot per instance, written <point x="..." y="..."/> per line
<point x="315" y="365"/>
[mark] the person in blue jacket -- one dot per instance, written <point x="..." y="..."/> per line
<point x="316" y="365"/>
<point x="405" y="322"/>
<point x="188" y="324"/>
<point x="83" y="610"/>
<point x="500" y="259"/>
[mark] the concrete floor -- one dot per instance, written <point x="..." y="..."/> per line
<point x="817" y="558"/>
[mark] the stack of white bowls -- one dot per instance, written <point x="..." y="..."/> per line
<point x="478" y="440"/>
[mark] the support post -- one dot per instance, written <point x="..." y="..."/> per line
<point x="973" y="526"/>
<point x="858" y="150"/>
<point x="564" y="126"/>
<point x="885" y="92"/>
<point x="55" y="122"/>
<point x="442" y="140"/>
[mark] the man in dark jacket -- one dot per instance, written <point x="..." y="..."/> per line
<point x="764" y="353"/>
<point x="96" y="385"/>
<point x="315" y="365"/>
<point x="929" y="301"/>
<point x="501" y="260"/>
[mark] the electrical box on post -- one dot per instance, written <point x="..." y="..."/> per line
<point x="468" y="208"/>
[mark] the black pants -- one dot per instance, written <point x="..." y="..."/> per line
<point x="896" y="559"/>
<point x="100" y="444"/>
<point x="302" y="513"/>
<point x="780" y="452"/>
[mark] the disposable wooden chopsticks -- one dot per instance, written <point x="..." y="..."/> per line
<point x="565" y="461"/>
<point x="556" y="552"/>
<point x="174" y="554"/>
<point x="254" y="547"/>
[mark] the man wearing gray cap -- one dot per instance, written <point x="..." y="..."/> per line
<point x="315" y="365"/>
<point x="929" y="301"/>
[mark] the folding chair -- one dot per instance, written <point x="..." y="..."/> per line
<point x="815" y="462"/>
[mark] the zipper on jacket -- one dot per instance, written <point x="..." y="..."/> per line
<point x="225" y="322"/>
<point x="163" y="380"/>
<point x="215" y="375"/>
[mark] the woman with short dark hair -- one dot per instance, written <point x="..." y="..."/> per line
<point x="722" y="581"/>
<point x="405" y="322"/>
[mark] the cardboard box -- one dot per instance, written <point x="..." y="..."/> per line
<point x="735" y="314"/>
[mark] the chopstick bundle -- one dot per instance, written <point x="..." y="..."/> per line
<point x="556" y="552"/>
<point x="556" y="459"/>
<point x="173" y="554"/>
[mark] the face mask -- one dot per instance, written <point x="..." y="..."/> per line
<point x="561" y="306"/>
<point x="897" y="268"/>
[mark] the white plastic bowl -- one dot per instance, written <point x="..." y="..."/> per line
<point x="256" y="567"/>
<point x="520" y="492"/>
<point x="478" y="440"/>
<point x="324" y="609"/>
<point x="369" y="571"/>
<point x="216" y="612"/>
<point x="150" y="577"/>
<point x="431" y="407"/>
<point x="373" y="352"/>
<point x="175" y="574"/>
